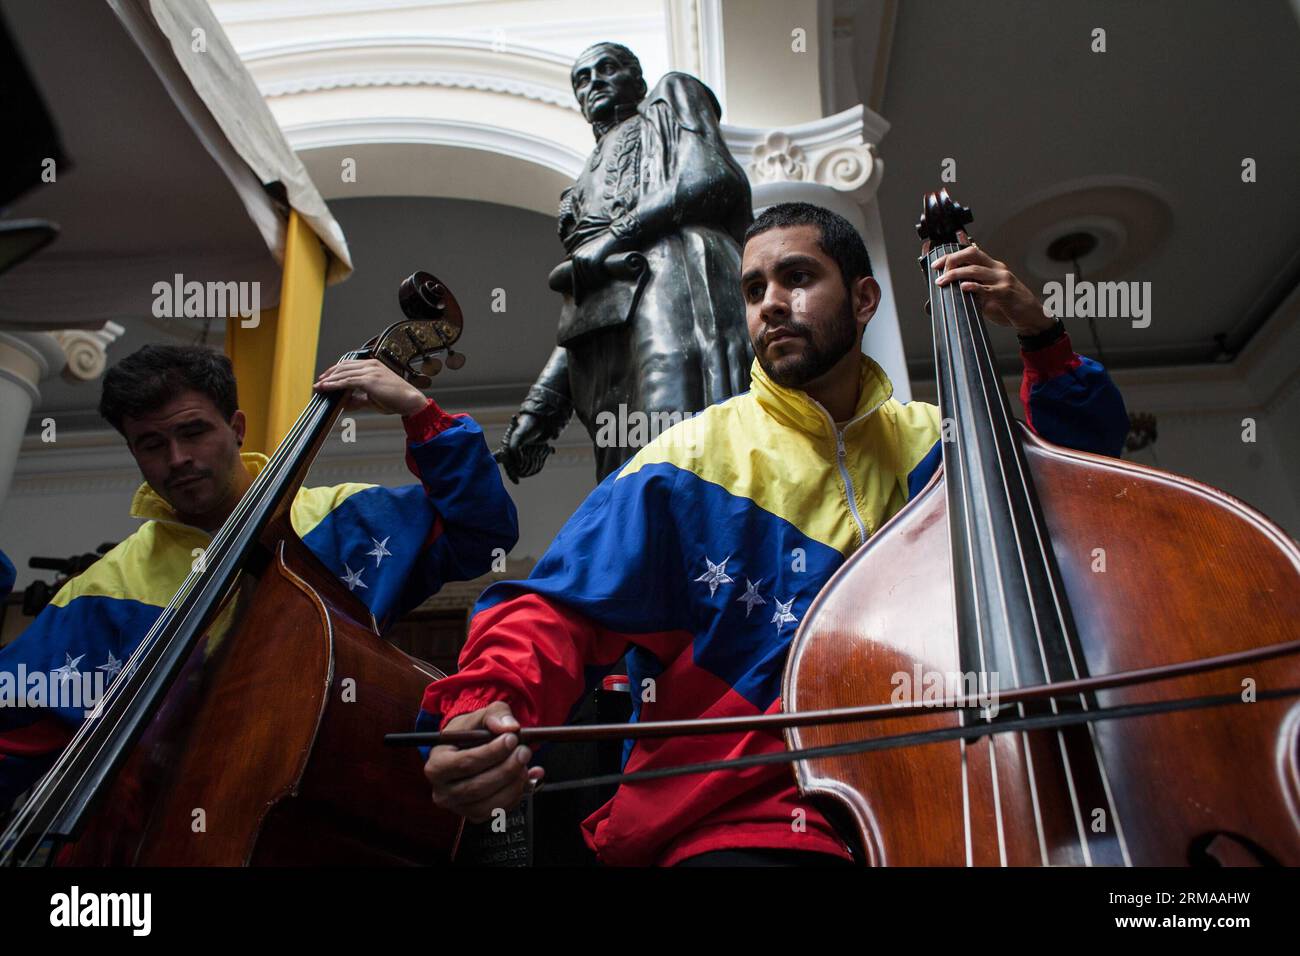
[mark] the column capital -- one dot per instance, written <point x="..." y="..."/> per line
<point x="86" y="350"/>
<point x="837" y="151"/>
<point x="79" y="355"/>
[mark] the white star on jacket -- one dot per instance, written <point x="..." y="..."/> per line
<point x="70" y="669"/>
<point x="751" y="597"/>
<point x="110" y="668"/>
<point x="783" y="615"/>
<point x="380" y="550"/>
<point x="352" y="579"/>
<point x="717" y="574"/>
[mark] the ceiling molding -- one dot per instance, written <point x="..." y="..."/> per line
<point x="849" y="127"/>
<point x="433" y="131"/>
<point x="291" y="68"/>
<point x="441" y="78"/>
<point x="556" y="64"/>
<point x="835" y="151"/>
<point x="257" y="11"/>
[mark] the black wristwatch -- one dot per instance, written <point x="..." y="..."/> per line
<point x="1041" y="340"/>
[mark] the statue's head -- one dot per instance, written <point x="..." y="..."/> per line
<point x="607" y="82"/>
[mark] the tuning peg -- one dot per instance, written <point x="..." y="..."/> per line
<point x="455" y="359"/>
<point x="431" y="365"/>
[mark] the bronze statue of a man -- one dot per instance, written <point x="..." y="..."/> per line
<point x="652" y="324"/>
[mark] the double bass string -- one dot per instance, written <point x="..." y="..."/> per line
<point x="978" y="344"/>
<point x="1004" y="445"/>
<point x="961" y="323"/>
<point x="955" y="466"/>
<point x="977" y="369"/>
<point x="1059" y="606"/>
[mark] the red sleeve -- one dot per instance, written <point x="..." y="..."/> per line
<point x="529" y="652"/>
<point x="1070" y="400"/>
<point x="426" y="424"/>
<point x="1042" y="365"/>
<point x="1049" y="362"/>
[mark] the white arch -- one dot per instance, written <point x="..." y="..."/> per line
<point x="431" y="156"/>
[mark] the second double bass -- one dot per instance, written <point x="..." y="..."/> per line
<point x="1060" y="565"/>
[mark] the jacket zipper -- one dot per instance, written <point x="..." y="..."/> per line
<point x="840" y="456"/>
<point x="848" y="484"/>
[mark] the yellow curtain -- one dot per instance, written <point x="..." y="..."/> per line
<point x="275" y="360"/>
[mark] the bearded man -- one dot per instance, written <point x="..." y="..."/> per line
<point x="699" y="557"/>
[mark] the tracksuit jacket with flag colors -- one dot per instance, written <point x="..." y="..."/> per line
<point x="393" y="547"/>
<point x="698" y="559"/>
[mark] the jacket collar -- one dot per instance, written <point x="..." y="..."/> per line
<point x="797" y="409"/>
<point x="149" y="505"/>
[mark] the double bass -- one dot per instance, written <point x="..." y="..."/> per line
<point x="1114" y="647"/>
<point x="1047" y="566"/>
<point x="243" y="728"/>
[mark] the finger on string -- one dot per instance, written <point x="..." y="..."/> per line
<point x="347" y="366"/>
<point x="340" y="381"/>
<point x="963" y="255"/>
<point x="972" y="272"/>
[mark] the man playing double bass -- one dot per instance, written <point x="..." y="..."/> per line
<point x="698" y="558"/>
<point x="177" y="408"/>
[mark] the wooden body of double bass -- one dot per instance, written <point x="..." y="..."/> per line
<point x="269" y="749"/>
<point x="1189" y="572"/>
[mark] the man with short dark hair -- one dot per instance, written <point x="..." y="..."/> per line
<point x="699" y="557"/>
<point x="178" y="410"/>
